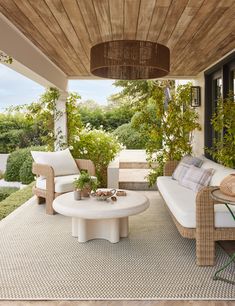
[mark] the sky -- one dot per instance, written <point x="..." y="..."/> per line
<point x="16" y="89"/>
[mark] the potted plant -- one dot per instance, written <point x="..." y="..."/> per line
<point x="84" y="184"/>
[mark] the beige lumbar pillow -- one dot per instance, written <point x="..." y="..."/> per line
<point x="62" y="162"/>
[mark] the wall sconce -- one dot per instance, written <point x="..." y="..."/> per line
<point x="195" y="96"/>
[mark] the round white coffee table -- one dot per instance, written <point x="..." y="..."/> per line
<point x="92" y="219"/>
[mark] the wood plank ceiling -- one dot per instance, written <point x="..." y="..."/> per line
<point x="198" y="32"/>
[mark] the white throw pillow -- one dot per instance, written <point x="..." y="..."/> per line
<point x="62" y="162"/>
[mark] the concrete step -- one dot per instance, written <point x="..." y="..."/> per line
<point x="134" y="179"/>
<point x="133" y="165"/>
<point x="136" y="186"/>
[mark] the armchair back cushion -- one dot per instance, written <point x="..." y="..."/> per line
<point x="62" y="162"/>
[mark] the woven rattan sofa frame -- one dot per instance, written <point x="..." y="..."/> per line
<point x="49" y="194"/>
<point x="205" y="232"/>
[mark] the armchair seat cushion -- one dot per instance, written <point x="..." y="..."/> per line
<point x="182" y="204"/>
<point x="62" y="183"/>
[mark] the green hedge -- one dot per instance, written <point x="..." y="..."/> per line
<point x="6" y="191"/>
<point x="15" y="200"/>
<point x="130" y="137"/>
<point x="19" y="165"/>
<point x="26" y="175"/>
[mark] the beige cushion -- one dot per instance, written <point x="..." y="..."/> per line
<point x="62" y="162"/>
<point x="196" y="178"/>
<point x="182" y="203"/>
<point x="220" y="172"/>
<point x="183" y="166"/>
<point x="62" y="183"/>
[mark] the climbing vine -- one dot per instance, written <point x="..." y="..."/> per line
<point x="176" y="124"/>
<point x="223" y="149"/>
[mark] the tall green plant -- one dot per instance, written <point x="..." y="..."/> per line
<point x="223" y="122"/>
<point x="44" y="113"/>
<point x="99" y="146"/>
<point x="177" y="123"/>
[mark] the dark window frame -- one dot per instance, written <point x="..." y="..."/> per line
<point x="224" y="70"/>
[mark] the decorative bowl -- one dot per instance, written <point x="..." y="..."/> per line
<point x="103" y="195"/>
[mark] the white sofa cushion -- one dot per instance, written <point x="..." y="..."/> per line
<point x="62" y="162"/>
<point x="62" y="183"/>
<point x="220" y="171"/>
<point x="182" y="203"/>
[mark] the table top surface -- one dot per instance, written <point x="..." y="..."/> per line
<point x="90" y="208"/>
<point x="217" y="195"/>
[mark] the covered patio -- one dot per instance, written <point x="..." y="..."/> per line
<point x="50" y="42"/>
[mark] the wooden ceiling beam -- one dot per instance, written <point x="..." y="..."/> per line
<point x="116" y="8"/>
<point x="64" y="21"/>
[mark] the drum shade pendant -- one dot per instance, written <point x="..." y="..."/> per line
<point x="130" y="60"/>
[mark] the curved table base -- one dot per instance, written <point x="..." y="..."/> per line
<point x="109" y="229"/>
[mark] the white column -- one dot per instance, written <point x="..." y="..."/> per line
<point x="61" y="132"/>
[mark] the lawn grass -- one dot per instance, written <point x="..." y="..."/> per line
<point x="15" y="200"/>
<point x="6" y="191"/>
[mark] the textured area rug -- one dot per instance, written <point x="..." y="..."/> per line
<point x="39" y="259"/>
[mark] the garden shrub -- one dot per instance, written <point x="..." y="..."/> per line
<point x="16" y="160"/>
<point x="26" y="175"/>
<point x="6" y="191"/>
<point x="130" y="137"/>
<point x="99" y="146"/>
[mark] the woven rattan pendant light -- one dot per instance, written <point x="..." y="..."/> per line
<point x="130" y="60"/>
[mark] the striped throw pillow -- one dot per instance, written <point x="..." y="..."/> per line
<point x="183" y="166"/>
<point x="196" y="178"/>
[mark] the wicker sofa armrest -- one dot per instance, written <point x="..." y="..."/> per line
<point x="169" y="167"/>
<point x="86" y="164"/>
<point x="205" y="226"/>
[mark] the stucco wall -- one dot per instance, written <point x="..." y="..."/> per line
<point x="3" y="162"/>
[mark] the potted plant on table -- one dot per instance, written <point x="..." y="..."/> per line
<point x="84" y="184"/>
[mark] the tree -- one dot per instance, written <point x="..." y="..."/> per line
<point x="223" y="149"/>
<point x="17" y="131"/>
<point x="163" y="116"/>
<point x="177" y="123"/>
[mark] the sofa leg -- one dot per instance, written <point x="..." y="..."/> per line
<point x="205" y="250"/>
<point x="49" y="208"/>
<point x="40" y="200"/>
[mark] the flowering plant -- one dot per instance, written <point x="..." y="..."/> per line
<point x="97" y="145"/>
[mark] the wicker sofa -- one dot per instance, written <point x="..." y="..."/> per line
<point x="196" y="215"/>
<point x="48" y="187"/>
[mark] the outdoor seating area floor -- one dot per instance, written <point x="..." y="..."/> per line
<point x="40" y="260"/>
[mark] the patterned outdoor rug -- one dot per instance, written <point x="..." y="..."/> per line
<point x="40" y="260"/>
